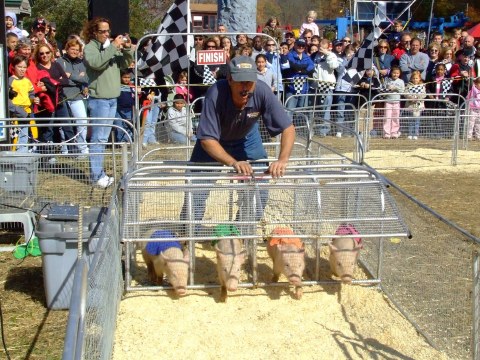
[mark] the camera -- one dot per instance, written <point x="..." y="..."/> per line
<point x="125" y="39"/>
<point x="12" y="93"/>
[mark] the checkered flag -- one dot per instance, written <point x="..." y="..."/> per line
<point x="14" y="131"/>
<point x="325" y="86"/>
<point x="416" y="89"/>
<point x="208" y="78"/>
<point x="361" y="61"/>
<point x="446" y="86"/>
<point x="298" y="83"/>
<point x="168" y="54"/>
<point x="146" y="82"/>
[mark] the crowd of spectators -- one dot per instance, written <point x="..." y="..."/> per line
<point x="65" y="76"/>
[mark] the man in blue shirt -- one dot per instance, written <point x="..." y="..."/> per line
<point x="228" y="130"/>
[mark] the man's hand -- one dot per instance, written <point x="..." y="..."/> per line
<point x="243" y="167"/>
<point x="277" y="169"/>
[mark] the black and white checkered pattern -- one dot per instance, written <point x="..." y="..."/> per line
<point x="14" y="131"/>
<point x="361" y="61"/>
<point x="325" y="87"/>
<point x="446" y="86"/>
<point x="416" y="89"/>
<point x="146" y="82"/>
<point x="208" y="78"/>
<point x="298" y="84"/>
<point x="168" y="54"/>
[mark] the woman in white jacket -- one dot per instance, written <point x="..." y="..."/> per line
<point x="325" y="64"/>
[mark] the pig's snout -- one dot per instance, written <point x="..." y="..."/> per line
<point x="347" y="278"/>
<point x="295" y="279"/>
<point x="232" y="283"/>
<point x="181" y="290"/>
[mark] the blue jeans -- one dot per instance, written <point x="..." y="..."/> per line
<point x="22" y="140"/>
<point x="295" y="102"/>
<point x="100" y="108"/>
<point x="79" y="112"/>
<point x="124" y="130"/>
<point x="177" y="138"/>
<point x="325" y="127"/>
<point x="341" y="100"/>
<point x="248" y="148"/>
<point x="150" y="123"/>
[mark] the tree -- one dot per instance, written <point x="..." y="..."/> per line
<point x="71" y="15"/>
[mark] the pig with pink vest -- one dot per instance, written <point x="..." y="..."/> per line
<point x="344" y="252"/>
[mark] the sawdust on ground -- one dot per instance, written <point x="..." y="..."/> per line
<point x="330" y="321"/>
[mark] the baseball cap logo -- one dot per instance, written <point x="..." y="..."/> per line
<point x="244" y="66"/>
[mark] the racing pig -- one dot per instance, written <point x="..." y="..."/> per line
<point x="288" y="255"/>
<point x="230" y="258"/>
<point x="344" y="252"/>
<point x="167" y="258"/>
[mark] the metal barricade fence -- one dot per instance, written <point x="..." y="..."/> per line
<point x="44" y="174"/>
<point x="433" y="278"/>
<point x="166" y="149"/>
<point x="469" y="142"/>
<point x="400" y="137"/>
<point x="96" y="294"/>
<point x="314" y="200"/>
<point x="310" y="123"/>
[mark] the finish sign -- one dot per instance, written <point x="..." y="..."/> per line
<point x="211" y="57"/>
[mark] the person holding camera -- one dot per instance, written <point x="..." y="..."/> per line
<point x="103" y="60"/>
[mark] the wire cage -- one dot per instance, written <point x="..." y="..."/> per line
<point x="312" y="200"/>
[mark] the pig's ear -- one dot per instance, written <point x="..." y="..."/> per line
<point x="358" y="247"/>
<point x="332" y="247"/>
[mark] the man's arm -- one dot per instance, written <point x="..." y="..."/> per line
<point x="278" y="168"/>
<point x="216" y="151"/>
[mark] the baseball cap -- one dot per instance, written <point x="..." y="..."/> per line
<point x="39" y="23"/>
<point x="301" y="42"/>
<point x="243" y="68"/>
<point x="337" y="42"/>
<point x="289" y="33"/>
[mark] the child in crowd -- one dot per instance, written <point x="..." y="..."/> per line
<point x="414" y="104"/>
<point x="178" y="127"/>
<point x="265" y="74"/>
<point x="368" y="88"/>
<point x="310" y="23"/>
<point x="20" y="100"/>
<point x="395" y="85"/>
<point x="437" y="88"/>
<point x="12" y="42"/>
<point x="125" y="104"/>
<point x="11" y="25"/>
<point x="473" y="99"/>
<point x="182" y="88"/>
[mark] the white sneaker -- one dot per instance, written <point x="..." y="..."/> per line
<point x="339" y="134"/>
<point x="105" y="181"/>
<point x="409" y="137"/>
<point x="415" y="138"/>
